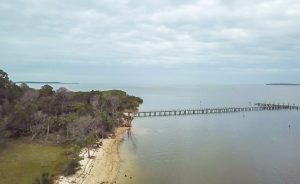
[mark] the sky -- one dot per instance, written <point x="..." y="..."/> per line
<point x="151" y="41"/>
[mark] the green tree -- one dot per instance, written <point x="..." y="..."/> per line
<point x="9" y="91"/>
<point x="89" y="141"/>
<point x="66" y="120"/>
<point x="19" y="120"/>
<point x="106" y="121"/>
<point x="46" y="90"/>
<point x="24" y="86"/>
<point x="4" y="80"/>
<point x="47" y="105"/>
<point x="50" y="121"/>
<point x="131" y="103"/>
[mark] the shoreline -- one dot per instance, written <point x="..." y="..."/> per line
<point x="104" y="165"/>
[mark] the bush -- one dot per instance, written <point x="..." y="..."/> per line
<point x="73" y="151"/>
<point x="71" y="167"/>
<point x="45" y="178"/>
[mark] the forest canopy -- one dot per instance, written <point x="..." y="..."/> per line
<point x="60" y="115"/>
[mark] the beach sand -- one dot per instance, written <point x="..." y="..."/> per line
<point x="104" y="165"/>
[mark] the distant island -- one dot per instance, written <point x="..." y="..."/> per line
<point x="282" y="84"/>
<point x="41" y="82"/>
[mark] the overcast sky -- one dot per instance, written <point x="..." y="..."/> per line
<point x="152" y="41"/>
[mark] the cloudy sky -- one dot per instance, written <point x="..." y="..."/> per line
<point x="151" y="41"/>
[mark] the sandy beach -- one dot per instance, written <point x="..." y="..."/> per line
<point x="104" y="165"/>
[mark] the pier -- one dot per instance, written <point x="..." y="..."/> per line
<point x="257" y="107"/>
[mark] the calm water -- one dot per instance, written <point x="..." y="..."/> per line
<point x="215" y="148"/>
<point x="258" y="148"/>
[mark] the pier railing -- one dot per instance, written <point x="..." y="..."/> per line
<point x="257" y="107"/>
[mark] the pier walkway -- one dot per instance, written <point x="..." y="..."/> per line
<point x="257" y="107"/>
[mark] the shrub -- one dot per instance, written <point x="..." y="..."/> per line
<point x="45" y="178"/>
<point x="71" y="166"/>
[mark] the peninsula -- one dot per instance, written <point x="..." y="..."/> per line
<point x="52" y="136"/>
<point x="42" y="82"/>
<point x="282" y="84"/>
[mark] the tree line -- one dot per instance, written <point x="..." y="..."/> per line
<point x="45" y="113"/>
<point x="61" y="116"/>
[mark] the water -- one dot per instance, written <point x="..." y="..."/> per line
<point x="255" y="147"/>
<point x="215" y="148"/>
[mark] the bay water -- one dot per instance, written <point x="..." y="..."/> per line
<point x="234" y="148"/>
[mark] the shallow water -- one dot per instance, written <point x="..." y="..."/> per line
<point x="255" y="147"/>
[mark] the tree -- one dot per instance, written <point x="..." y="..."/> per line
<point x="21" y="119"/>
<point x="80" y="128"/>
<point x="50" y="120"/>
<point x="4" y="80"/>
<point x="29" y="95"/>
<point x="66" y="120"/>
<point x="13" y="93"/>
<point x="108" y="123"/>
<point x="48" y="105"/>
<point x="131" y="103"/>
<point x="46" y="90"/>
<point x="62" y="96"/>
<point x="89" y="141"/>
<point x="114" y="104"/>
<point x="94" y="101"/>
<point x="77" y="116"/>
<point x="24" y="86"/>
<point x="9" y="91"/>
<point x="86" y="130"/>
<point x="38" y="124"/>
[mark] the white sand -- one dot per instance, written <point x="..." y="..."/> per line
<point x="102" y="168"/>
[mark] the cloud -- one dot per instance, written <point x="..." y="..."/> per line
<point x="219" y="33"/>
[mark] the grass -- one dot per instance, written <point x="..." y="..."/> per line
<point x="21" y="163"/>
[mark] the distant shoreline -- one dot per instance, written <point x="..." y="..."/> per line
<point x="38" y="82"/>
<point x="282" y="84"/>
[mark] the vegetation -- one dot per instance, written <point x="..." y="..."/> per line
<point x="21" y="162"/>
<point x="61" y="117"/>
<point x="45" y="178"/>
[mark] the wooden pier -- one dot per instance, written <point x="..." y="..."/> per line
<point x="257" y="107"/>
